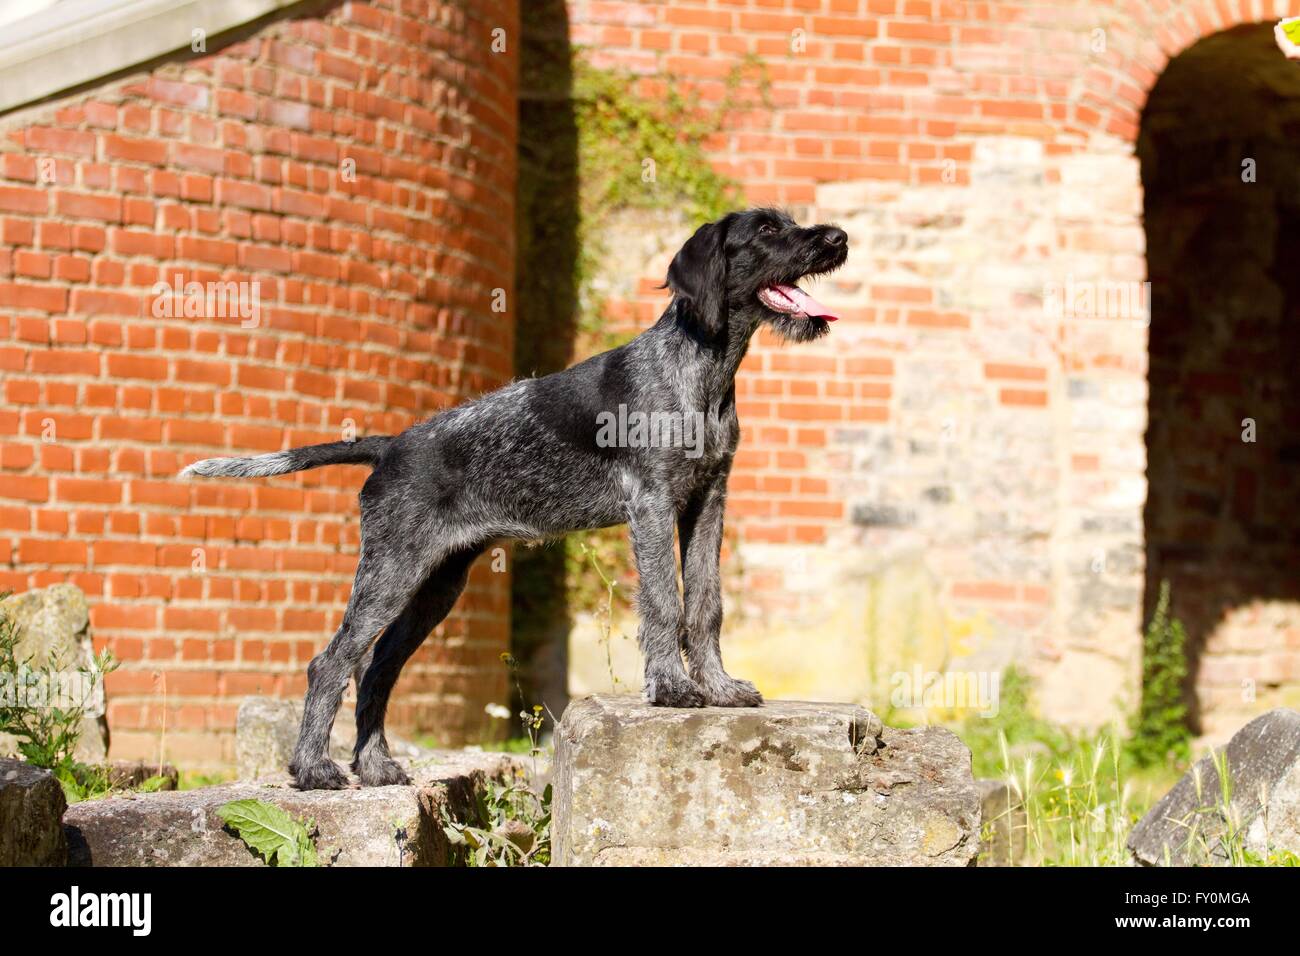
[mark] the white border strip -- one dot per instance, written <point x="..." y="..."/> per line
<point x="77" y="41"/>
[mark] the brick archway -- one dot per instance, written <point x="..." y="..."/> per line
<point x="1221" y="170"/>
<point x="1140" y="39"/>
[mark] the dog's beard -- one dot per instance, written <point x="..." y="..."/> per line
<point x="797" y="329"/>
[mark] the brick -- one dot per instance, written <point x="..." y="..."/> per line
<point x="45" y="139"/>
<point x="88" y="206"/>
<point x="189" y="155"/>
<point x="133" y="150"/>
<point x="93" y="490"/>
<point x="1024" y="397"/>
<point x="191" y="95"/>
<point x="34" y="297"/>
<point x="1005" y="370"/>
<point x="51" y="551"/>
<point x="248" y="195"/>
<point x="22" y="199"/>
<point x="131" y="553"/>
<point x="98" y="302"/>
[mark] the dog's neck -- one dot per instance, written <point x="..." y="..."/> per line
<point x="713" y="383"/>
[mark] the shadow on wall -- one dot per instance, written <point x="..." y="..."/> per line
<point x="546" y="307"/>
<point x="1220" y="153"/>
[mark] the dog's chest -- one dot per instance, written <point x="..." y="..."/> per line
<point x="721" y="434"/>
<point x="713" y="447"/>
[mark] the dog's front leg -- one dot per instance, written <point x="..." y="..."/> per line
<point x="700" y="532"/>
<point x="650" y="519"/>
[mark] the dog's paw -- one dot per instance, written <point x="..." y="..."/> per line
<point x="322" y="774"/>
<point x="380" y="771"/>
<point x="731" y="692"/>
<point x="672" y="690"/>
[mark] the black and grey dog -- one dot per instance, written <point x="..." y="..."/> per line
<point x="539" y="458"/>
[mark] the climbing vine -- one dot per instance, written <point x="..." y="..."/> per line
<point x="638" y="151"/>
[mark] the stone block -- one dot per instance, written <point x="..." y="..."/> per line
<point x="368" y="826"/>
<point x="31" y="808"/>
<point x="1186" y="825"/>
<point x="788" y="783"/>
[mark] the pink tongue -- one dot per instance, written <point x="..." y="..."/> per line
<point x="805" y="303"/>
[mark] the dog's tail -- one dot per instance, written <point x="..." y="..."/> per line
<point x="363" y="451"/>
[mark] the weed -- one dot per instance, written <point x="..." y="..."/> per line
<point x="1160" y="733"/>
<point x="1082" y="792"/>
<point x="33" y="711"/>
<point x="511" y="827"/>
<point x="604" y="607"/>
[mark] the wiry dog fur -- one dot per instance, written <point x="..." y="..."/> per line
<point x="524" y="462"/>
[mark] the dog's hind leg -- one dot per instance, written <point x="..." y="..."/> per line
<point x="383" y="663"/>
<point x="385" y="583"/>
<point x="650" y="519"/>
<point x="700" y="532"/>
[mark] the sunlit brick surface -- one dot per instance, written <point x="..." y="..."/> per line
<point x="376" y="309"/>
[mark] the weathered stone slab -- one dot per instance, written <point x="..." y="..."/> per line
<point x="364" y="826"/>
<point x="1263" y="760"/>
<point x="266" y="729"/>
<point x="788" y="783"/>
<point x="1004" y="824"/>
<point x="53" y="626"/>
<point x="31" y="808"/>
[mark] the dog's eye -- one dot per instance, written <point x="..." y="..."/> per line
<point x="767" y="229"/>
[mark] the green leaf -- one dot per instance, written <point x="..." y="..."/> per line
<point x="270" y="832"/>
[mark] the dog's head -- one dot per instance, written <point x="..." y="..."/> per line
<point x="746" y="268"/>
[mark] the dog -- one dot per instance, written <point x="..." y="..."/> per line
<point x="535" y="460"/>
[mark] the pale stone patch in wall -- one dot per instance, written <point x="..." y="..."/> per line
<point x="966" y="541"/>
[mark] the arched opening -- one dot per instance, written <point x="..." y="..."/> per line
<point x="1220" y="154"/>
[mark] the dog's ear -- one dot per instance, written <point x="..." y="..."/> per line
<point x="698" y="275"/>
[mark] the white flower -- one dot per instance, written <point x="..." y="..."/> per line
<point x="499" y="711"/>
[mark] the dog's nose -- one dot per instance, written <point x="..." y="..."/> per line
<point x="835" y="237"/>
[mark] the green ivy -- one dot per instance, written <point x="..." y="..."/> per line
<point x="623" y="137"/>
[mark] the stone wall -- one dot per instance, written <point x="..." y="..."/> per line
<point x="355" y="164"/>
<point x="956" y="477"/>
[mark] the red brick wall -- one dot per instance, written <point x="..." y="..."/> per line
<point x="376" y="309"/>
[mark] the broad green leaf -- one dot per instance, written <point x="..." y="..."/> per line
<point x="270" y="832"/>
